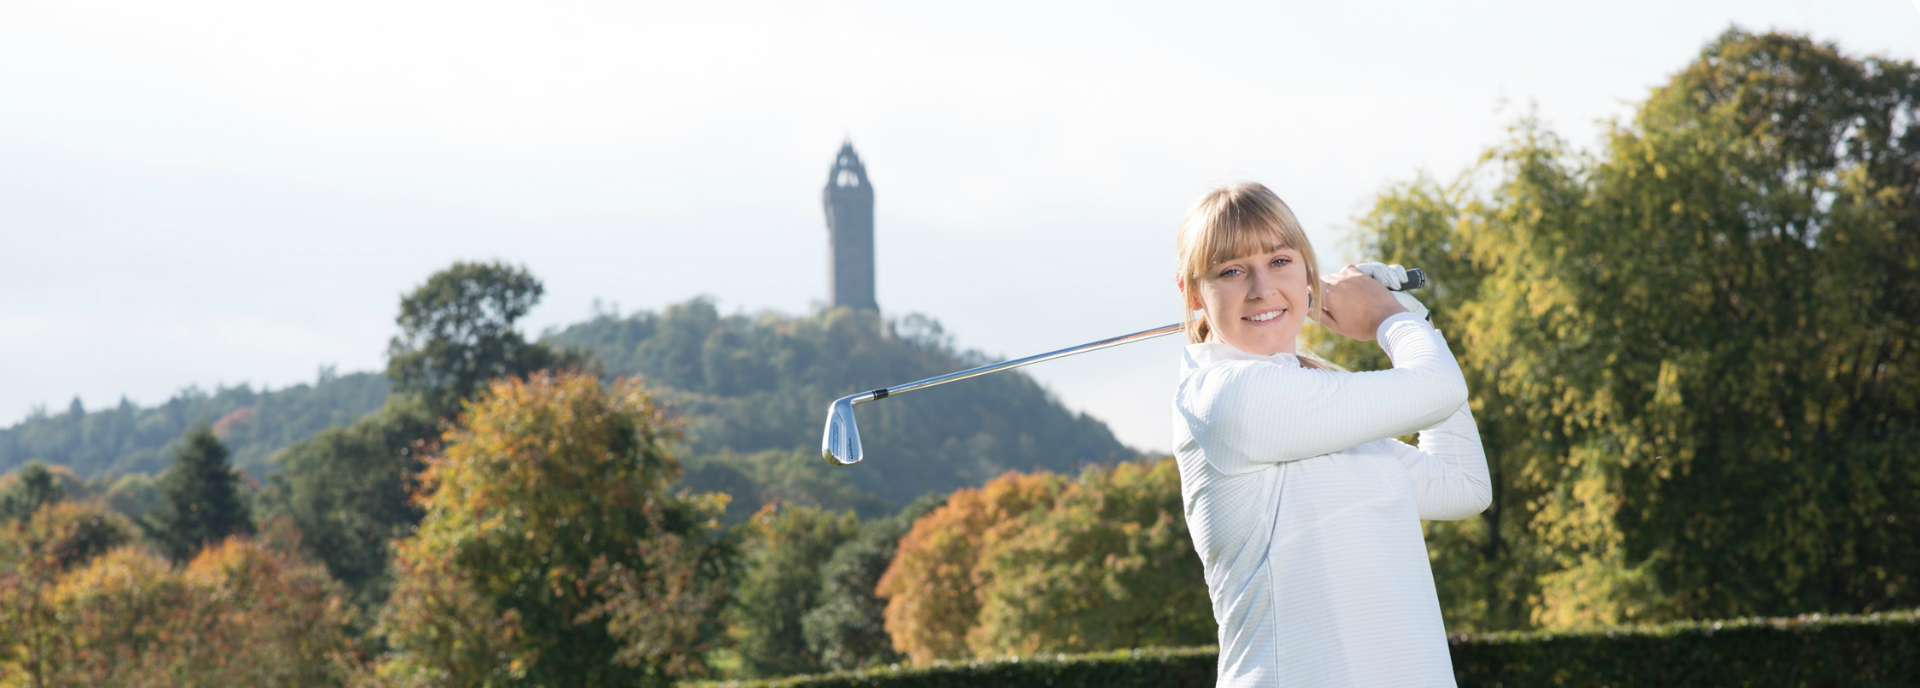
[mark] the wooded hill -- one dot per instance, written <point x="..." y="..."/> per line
<point x="752" y="391"/>
<point x="129" y="439"/>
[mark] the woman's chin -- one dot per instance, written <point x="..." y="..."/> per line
<point x="1263" y="341"/>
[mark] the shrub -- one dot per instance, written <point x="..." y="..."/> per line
<point x="1813" y="651"/>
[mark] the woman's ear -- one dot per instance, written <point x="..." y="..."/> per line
<point x="1192" y="300"/>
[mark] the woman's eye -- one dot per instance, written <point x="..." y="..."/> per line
<point x="1279" y="262"/>
<point x="1229" y="272"/>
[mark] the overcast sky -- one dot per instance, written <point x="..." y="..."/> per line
<point x="200" y="194"/>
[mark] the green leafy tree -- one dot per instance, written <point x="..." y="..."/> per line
<point x="456" y="334"/>
<point x="201" y="501"/>
<point x="780" y="584"/>
<point x="553" y="552"/>
<point x="1689" y="351"/>
<point x="348" y="491"/>
<point x="25" y="491"/>
<point x="846" y="627"/>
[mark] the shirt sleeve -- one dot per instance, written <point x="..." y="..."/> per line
<point x="1247" y="415"/>
<point x="1448" y="469"/>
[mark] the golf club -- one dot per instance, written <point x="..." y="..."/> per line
<point x="841" y="444"/>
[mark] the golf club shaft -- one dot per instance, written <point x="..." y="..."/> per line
<point x="885" y="392"/>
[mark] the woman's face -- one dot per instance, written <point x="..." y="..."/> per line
<point x="1255" y="303"/>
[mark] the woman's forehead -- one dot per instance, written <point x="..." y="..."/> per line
<point x="1258" y="251"/>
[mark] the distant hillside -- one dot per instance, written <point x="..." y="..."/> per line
<point x="755" y="390"/>
<point x="131" y="439"/>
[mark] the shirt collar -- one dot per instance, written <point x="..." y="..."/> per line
<point x="1204" y="354"/>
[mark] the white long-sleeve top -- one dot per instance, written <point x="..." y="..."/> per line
<point x="1306" y="512"/>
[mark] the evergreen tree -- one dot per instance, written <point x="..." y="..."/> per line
<point x="200" y="498"/>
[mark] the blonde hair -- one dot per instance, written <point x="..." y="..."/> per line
<point x="1233" y="221"/>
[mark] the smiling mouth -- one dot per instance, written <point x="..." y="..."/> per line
<point x="1269" y="315"/>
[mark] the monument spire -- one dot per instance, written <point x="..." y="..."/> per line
<point x="849" y="204"/>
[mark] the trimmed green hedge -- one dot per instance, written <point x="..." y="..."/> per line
<point x="1812" y="651"/>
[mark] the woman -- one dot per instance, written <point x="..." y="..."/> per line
<point x="1304" y="509"/>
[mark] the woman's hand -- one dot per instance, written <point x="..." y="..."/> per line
<point x="1355" y="305"/>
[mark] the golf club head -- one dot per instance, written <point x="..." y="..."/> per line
<point x="841" y="444"/>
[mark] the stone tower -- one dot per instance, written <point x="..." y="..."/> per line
<point x="849" y="202"/>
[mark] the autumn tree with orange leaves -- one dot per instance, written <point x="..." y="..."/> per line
<point x="1043" y="563"/>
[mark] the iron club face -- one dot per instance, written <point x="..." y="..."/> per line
<point x="840" y="445"/>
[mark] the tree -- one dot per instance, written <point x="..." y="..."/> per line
<point x="1038" y="563"/>
<point x="552" y="552"/>
<point x="932" y="587"/>
<point x="1110" y="566"/>
<point x="27" y="490"/>
<point x="456" y="334"/>
<point x="200" y="498"/>
<point x="1688" y="350"/>
<point x="237" y="614"/>
<point x="846" y="629"/>
<point x="348" y="491"/>
<point x="35" y="553"/>
<point x="780" y="584"/>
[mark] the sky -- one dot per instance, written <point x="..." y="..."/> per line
<point x="207" y="194"/>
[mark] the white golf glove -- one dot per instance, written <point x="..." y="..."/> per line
<point x="1392" y="276"/>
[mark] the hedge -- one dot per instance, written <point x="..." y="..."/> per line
<point x="1811" y="651"/>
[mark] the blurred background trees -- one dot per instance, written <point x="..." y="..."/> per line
<point x="1690" y="350"/>
<point x="551" y="533"/>
<point x="200" y="499"/>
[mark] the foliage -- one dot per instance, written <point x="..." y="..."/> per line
<point x="34" y="553"/>
<point x="780" y="583"/>
<point x="1690" y="352"/>
<point x="845" y="629"/>
<point x="132" y="495"/>
<point x="787" y="476"/>
<point x="200" y="500"/>
<point x="934" y="585"/>
<point x="1108" y="566"/>
<point x="1191" y="667"/>
<point x="23" y="492"/>
<point x="1038" y="563"/>
<point x="751" y="384"/>
<point x="552" y="552"/>
<point x="127" y="439"/>
<point x="456" y="334"/>
<point x="1849" y="650"/>
<point x="238" y="614"/>
<point x="347" y="489"/>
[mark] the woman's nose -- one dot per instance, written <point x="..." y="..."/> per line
<point x="1264" y="284"/>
